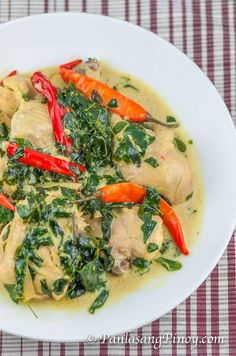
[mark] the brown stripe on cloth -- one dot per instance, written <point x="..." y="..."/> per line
<point x="188" y="300"/>
<point x="45" y="5"/>
<point x="21" y="346"/>
<point x="184" y="26"/>
<point x="62" y="349"/>
<point x="231" y="297"/>
<point x="153" y="14"/>
<point x="188" y="324"/>
<point x="0" y="343"/>
<point x="40" y="348"/>
<point x="197" y="47"/>
<point x="127" y="10"/>
<point x="139" y="344"/>
<point x="201" y="292"/>
<point x="127" y="346"/>
<point x="155" y="334"/>
<point x="174" y="330"/>
<point x="84" y="5"/>
<point x="66" y="6"/>
<point x="138" y="13"/>
<point x="105" y="7"/>
<point x="81" y="349"/>
<point x="171" y="33"/>
<point x="226" y="54"/>
<point x="214" y="275"/>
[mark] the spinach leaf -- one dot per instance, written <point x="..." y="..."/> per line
<point x="189" y="196"/>
<point x="143" y="266"/>
<point x="125" y="83"/>
<point x="113" y="103"/>
<point x="4" y="132"/>
<point x="6" y="216"/>
<point x="170" y="119"/>
<point x="152" y="161"/>
<point x="45" y="289"/>
<point x="99" y="301"/>
<point x="59" y="286"/>
<point x="146" y="211"/>
<point x="92" y="275"/>
<point x="12" y="292"/>
<point x="75" y="289"/>
<point x="133" y="143"/>
<point x="169" y="265"/>
<point x="89" y="127"/>
<point x="151" y="247"/>
<point x="180" y="144"/>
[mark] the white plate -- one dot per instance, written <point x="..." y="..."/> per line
<point x="46" y="40"/>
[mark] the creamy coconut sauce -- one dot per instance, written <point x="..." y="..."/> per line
<point x="189" y="212"/>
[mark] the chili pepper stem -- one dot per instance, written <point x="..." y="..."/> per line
<point x="158" y="122"/>
<point x="84" y="199"/>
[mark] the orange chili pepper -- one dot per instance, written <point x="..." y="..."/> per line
<point x="134" y="193"/>
<point x="121" y="192"/>
<point x="125" y="107"/>
<point x="4" y="201"/>
<point x="14" y="72"/>
<point x="172" y="222"/>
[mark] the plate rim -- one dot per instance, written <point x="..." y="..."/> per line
<point x="230" y="123"/>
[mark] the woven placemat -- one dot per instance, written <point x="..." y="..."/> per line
<point x="206" y="31"/>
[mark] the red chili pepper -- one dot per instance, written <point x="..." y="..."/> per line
<point x="172" y="222"/>
<point x="4" y="201"/>
<point x="125" y="107"/>
<point x="14" y="72"/>
<point x="56" y="112"/>
<point x="44" y="161"/>
<point x="134" y="193"/>
<point x="71" y="65"/>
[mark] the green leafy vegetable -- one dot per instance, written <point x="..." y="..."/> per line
<point x="125" y="83"/>
<point x="45" y="289"/>
<point x="99" y="301"/>
<point x="12" y="292"/>
<point x="6" y="216"/>
<point x="189" y="196"/>
<point x="113" y="103"/>
<point x="133" y="141"/>
<point x="90" y="129"/>
<point x="152" y="161"/>
<point x="143" y="266"/>
<point x="180" y="144"/>
<point x="170" y="119"/>
<point x="169" y="265"/>
<point x="152" y="246"/>
<point x="59" y="286"/>
<point x="26" y="97"/>
<point x="146" y="211"/>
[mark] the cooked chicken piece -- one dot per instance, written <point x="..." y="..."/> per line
<point x="8" y="102"/>
<point x="32" y="122"/>
<point x="7" y="259"/>
<point x="3" y="164"/>
<point x="11" y="94"/>
<point x="5" y="119"/>
<point x="173" y="177"/>
<point x="127" y="238"/>
<point x="19" y="85"/>
<point x="49" y="272"/>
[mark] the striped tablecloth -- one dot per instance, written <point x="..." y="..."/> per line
<point x="206" y="31"/>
